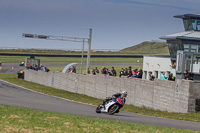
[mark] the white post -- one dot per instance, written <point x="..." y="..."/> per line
<point x="89" y="50"/>
<point x="82" y="56"/>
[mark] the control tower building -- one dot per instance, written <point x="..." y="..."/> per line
<point x="184" y="49"/>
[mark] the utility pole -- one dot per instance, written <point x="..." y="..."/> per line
<point x="89" y="51"/>
<point x="65" y="38"/>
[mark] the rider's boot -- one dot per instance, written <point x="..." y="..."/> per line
<point x="103" y="103"/>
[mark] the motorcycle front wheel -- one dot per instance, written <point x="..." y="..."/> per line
<point x="113" y="109"/>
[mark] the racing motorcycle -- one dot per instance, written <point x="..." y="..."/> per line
<point x="112" y="106"/>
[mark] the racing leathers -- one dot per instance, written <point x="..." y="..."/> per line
<point x="113" y="96"/>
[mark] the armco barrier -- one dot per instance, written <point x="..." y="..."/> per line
<point x="180" y="96"/>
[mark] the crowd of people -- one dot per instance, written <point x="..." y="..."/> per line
<point x="162" y="76"/>
<point x="72" y="69"/>
<point x="187" y="76"/>
<point x="127" y="72"/>
<point x="136" y="73"/>
<point x="36" y="68"/>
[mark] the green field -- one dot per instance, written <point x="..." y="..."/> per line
<point x="20" y="120"/>
<point x="94" y="101"/>
<point x="19" y="59"/>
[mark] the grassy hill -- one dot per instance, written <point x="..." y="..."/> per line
<point x="139" y="49"/>
<point x="148" y="48"/>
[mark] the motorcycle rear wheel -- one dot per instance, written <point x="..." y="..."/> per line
<point x="113" y="109"/>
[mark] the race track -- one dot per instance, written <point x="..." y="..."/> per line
<point x="17" y="96"/>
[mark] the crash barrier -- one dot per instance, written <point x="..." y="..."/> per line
<point x="179" y="96"/>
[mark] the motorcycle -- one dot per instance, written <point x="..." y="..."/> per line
<point x="112" y="106"/>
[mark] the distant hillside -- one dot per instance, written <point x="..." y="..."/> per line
<point x="148" y="48"/>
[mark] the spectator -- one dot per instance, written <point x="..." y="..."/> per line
<point x="42" y="68"/>
<point x="88" y="70"/>
<point x="171" y="77"/>
<point x="73" y="70"/>
<point x="109" y="72"/>
<point x="113" y="71"/>
<point x="46" y="69"/>
<point x="106" y="71"/>
<point x="28" y="64"/>
<point x="121" y="73"/>
<point x="68" y="70"/>
<point x="151" y="77"/>
<point x="36" y="68"/>
<point x="103" y="70"/>
<point x="96" y="70"/>
<point x="187" y="75"/>
<point x="134" y="73"/>
<point x="126" y="72"/>
<point x="129" y="73"/>
<point x="162" y="76"/>
<point x="93" y="72"/>
<point x="139" y="73"/>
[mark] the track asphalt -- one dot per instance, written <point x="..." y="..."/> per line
<point x="14" y="95"/>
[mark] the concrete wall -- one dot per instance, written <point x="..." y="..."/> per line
<point x="178" y="96"/>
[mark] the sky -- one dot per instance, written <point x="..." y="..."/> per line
<point x="116" y="24"/>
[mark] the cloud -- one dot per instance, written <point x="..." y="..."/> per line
<point x="150" y="4"/>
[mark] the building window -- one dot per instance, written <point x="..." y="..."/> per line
<point x="191" y="48"/>
<point x="191" y="24"/>
<point x="187" y="47"/>
<point x="194" y="48"/>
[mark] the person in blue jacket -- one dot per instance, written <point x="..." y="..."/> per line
<point x="162" y="76"/>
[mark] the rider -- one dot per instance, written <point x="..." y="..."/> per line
<point x="123" y="95"/>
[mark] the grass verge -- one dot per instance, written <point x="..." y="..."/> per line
<point x="14" y="119"/>
<point x="90" y="100"/>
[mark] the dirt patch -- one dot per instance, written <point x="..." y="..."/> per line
<point x="21" y="120"/>
<point x="39" y="128"/>
<point x="50" y="123"/>
<point x="107" y="128"/>
<point x="68" y="124"/>
<point x="84" y="124"/>
<point x="26" y="131"/>
<point x="9" y="129"/>
<point x="14" y="116"/>
<point x="98" y="129"/>
<point x="52" y="118"/>
<point x="6" y="122"/>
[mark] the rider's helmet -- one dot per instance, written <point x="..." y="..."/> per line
<point x="124" y="93"/>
